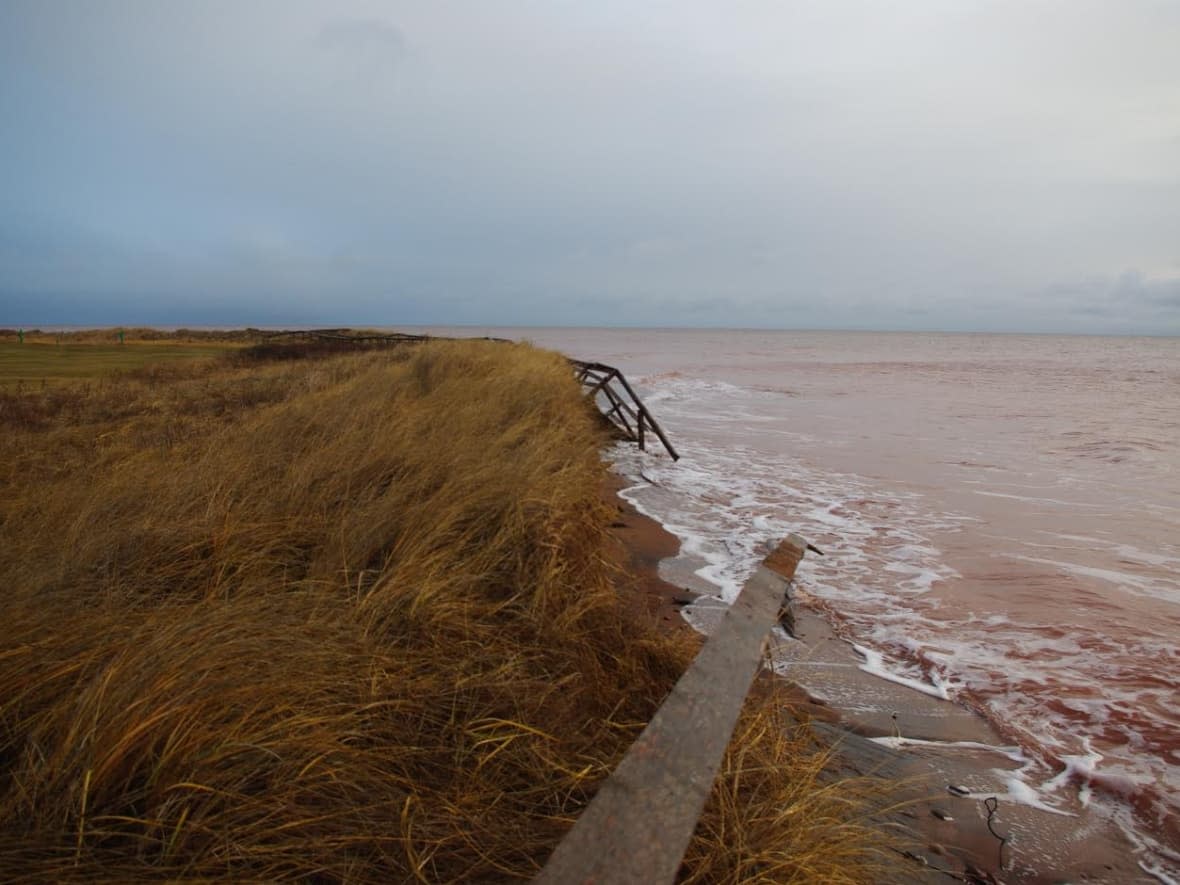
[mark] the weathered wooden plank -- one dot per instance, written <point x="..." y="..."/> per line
<point x="654" y="424"/>
<point x="598" y="377"/>
<point x="636" y="830"/>
<point x="599" y="382"/>
<point x="627" y="407"/>
<point x="618" y="409"/>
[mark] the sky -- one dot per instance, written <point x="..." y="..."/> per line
<point x="917" y="164"/>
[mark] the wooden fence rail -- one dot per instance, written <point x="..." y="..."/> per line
<point x="636" y="829"/>
<point x="623" y="408"/>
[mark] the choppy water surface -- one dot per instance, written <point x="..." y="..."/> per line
<point x="1000" y="513"/>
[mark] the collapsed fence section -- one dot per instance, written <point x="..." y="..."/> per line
<point x="623" y="407"/>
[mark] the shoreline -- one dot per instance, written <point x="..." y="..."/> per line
<point x="880" y="728"/>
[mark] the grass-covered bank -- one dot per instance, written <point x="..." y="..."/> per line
<point x="36" y="358"/>
<point x="350" y="618"/>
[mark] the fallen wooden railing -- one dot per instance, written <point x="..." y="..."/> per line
<point x="631" y="417"/>
<point x="636" y="829"/>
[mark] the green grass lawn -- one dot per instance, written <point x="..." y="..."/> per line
<point x="34" y="362"/>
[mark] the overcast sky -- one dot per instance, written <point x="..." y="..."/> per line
<point x="918" y="165"/>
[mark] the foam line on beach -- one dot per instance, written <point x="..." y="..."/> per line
<point x="897" y="742"/>
<point x="1080" y="768"/>
<point x="1016" y="786"/>
<point x="1023" y="794"/>
<point x="1124" y="581"/>
<point x="874" y="664"/>
<point x="1034" y="500"/>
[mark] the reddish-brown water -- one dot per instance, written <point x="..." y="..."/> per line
<point x="1001" y="515"/>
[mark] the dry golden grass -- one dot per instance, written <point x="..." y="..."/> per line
<point x="342" y="619"/>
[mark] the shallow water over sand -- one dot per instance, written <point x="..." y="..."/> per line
<point x="1001" y="515"/>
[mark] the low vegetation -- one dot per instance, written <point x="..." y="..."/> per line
<point x="350" y="617"/>
<point x="31" y="359"/>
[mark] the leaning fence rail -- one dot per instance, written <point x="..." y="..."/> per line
<point x="623" y="407"/>
<point x="636" y="829"/>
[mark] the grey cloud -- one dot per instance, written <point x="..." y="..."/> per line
<point x="1128" y="301"/>
<point x="921" y="164"/>
<point x="1134" y="288"/>
<point x="371" y="45"/>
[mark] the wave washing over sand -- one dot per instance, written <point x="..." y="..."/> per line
<point x="1000" y="516"/>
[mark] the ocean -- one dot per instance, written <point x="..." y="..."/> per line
<point x="1000" y="516"/>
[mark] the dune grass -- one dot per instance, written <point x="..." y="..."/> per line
<point x="38" y="362"/>
<point x="54" y="358"/>
<point x="351" y="618"/>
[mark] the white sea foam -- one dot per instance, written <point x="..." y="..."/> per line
<point x="1156" y="871"/>
<point x="1028" y="499"/>
<point x="897" y="742"/>
<point x="1120" y="580"/>
<point x="1079" y="768"/>
<point x="1156" y="859"/>
<point x="1022" y="793"/>
<point x="1122" y="550"/>
<point x="1019" y="783"/>
<point x="875" y="664"/>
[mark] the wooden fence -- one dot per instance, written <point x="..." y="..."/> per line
<point x="623" y="407"/>
<point x="636" y="829"/>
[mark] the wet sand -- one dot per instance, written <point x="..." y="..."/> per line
<point x="643" y="543"/>
<point x="893" y="731"/>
